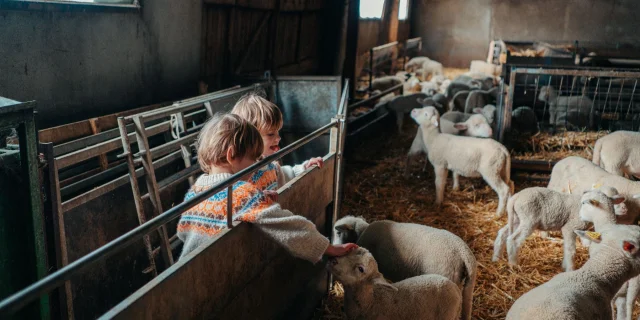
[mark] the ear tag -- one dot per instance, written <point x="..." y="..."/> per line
<point x="596" y="186"/>
<point x="593" y="235"/>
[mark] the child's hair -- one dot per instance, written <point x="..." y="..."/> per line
<point x="260" y="112"/>
<point x="223" y="131"/>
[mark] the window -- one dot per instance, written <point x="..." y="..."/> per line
<point x="371" y="9"/>
<point x="403" y="9"/>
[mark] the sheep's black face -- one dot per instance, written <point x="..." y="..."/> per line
<point x="344" y="235"/>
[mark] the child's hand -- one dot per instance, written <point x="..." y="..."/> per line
<point x="271" y="194"/>
<point x="340" y="249"/>
<point x="314" y="162"/>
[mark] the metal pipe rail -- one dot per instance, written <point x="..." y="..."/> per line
<point x="15" y="302"/>
<point x="359" y="103"/>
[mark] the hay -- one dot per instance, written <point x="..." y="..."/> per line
<point x="554" y="147"/>
<point x="376" y="189"/>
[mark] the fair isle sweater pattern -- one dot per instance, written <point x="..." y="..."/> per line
<point x="274" y="176"/>
<point x="210" y="216"/>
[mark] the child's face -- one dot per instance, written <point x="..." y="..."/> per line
<point x="271" y="140"/>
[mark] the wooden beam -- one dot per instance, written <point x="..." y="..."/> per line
<point x="102" y="158"/>
<point x="254" y="39"/>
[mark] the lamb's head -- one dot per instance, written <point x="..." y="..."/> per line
<point x="348" y="229"/>
<point x="595" y="205"/>
<point x="621" y="208"/>
<point x="619" y="237"/>
<point x="547" y="93"/>
<point x="475" y="126"/>
<point x="427" y="116"/>
<point x="357" y="268"/>
<point x="488" y="111"/>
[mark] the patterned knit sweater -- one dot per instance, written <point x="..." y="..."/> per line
<point x="207" y="219"/>
<point x="274" y="176"/>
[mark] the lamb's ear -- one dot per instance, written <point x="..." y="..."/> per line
<point x="629" y="247"/>
<point x="589" y="235"/>
<point x="381" y="283"/>
<point x="434" y="120"/>
<point x="618" y="199"/>
<point x="344" y="227"/>
<point x="477" y="110"/>
<point x="461" y="126"/>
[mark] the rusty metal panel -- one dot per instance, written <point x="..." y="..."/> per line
<point x="307" y="101"/>
<point x="216" y="282"/>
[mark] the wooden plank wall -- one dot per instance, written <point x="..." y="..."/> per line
<point x="244" y="37"/>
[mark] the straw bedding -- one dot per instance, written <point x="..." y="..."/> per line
<point x="547" y="146"/>
<point x="376" y="189"/>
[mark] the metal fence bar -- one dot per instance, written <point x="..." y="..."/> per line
<point x="20" y="299"/>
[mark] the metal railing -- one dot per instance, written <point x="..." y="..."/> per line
<point x="20" y="299"/>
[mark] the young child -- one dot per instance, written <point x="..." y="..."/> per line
<point x="266" y="116"/>
<point x="226" y="145"/>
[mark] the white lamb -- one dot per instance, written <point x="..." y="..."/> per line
<point x="587" y="292"/>
<point x="576" y="175"/>
<point x="367" y="295"/>
<point x="489" y="113"/>
<point x="405" y="250"/>
<point x="574" y="111"/>
<point x="415" y="63"/>
<point x="547" y="210"/>
<point x="465" y="156"/>
<point x="432" y="68"/>
<point x="619" y="153"/>
<point x="476" y="125"/>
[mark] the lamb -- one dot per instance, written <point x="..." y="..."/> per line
<point x="415" y="63"/>
<point x="475" y="125"/>
<point x="412" y="85"/>
<point x="459" y="101"/>
<point x="466" y="156"/>
<point x="438" y="100"/>
<point x="574" y="111"/>
<point x="481" y="98"/>
<point x="547" y="210"/>
<point x="432" y="68"/>
<point x="429" y="87"/>
<point x="384" y="83"/>
<point x="455" y="87"/>
<point x="619" y="153"/>
<point x="523" y="119"/>
<point x="488" y="111"/>
<point x="587" y="292"/>
<point x="483" y="83"/>
<point x="367" y="295"/>
<point x="576" y="175"/>
<point x="405" y="250"/>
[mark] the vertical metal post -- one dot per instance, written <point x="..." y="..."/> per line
<point x="230" y="206"/>
<point x="370" y="70"/>
<point x="137" y="198"/>
<point x="186" y="157"/>
<point x="152" y="186"/>
<point x="508" y="106"/>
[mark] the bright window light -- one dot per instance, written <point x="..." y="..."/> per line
<point x="403" y="9"/>
<point x="371" y="8"/>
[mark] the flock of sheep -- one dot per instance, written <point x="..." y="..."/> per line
<point x="432" y="272"/>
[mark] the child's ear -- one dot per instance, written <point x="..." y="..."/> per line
<point x="230" y="154"/>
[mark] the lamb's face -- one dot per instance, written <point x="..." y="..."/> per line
<point x="475" y="126"/>
<point x="594" y="203"/>
<point x="489" y="112"/>
<point x="354" y="267"/>
<point x="546" y="93"/>
<point x="426" y="116"/>
<point x="345" y="231"/>
<point x="621" y="208"/>
<point x="625" y="238"/>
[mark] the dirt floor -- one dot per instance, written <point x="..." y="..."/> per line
<point x="376" y="189"/>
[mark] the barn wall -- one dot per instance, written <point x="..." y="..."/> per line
<point x="458" y="31"/>
<point x="84" y="64"/>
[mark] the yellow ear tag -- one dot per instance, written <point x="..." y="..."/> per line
<point x="593" y="235"/>
<point x="596" y="186"/>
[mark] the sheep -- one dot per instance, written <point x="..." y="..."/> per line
<point x="412" y="85"/>
<point x="483" y="67"/>
<point x="405" y="250"/>
<point x="415" y="63"/>
<point x="367" y="295"/>
<point x="524" y="120"/>
<point x="402" y="105"/>
<point x="444" y="86"/>
<point x="455" y="87"/>
<point x="574" y="111"/>
<point x="429" y="87"/>
<point x="466" y="156"/>
<point x="618" y="153"/>
<point x="459" y="101"/>
<point x="434" y="101"/>
<point x="384" y="83"/>
<point x="488" y="81"/>
<point x="488" y="112"/>
<point x="547" y="210"/>
<point x="587" y="292"/>
<point x="482" y="83"/>
<point x="576" y="175"/>
<point x="432" y="68"/>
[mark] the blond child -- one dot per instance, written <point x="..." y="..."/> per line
<point x="226" y="145"/>
<point x="266" y="116"/>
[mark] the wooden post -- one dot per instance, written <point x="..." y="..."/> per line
<point x="102" y="158"/>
